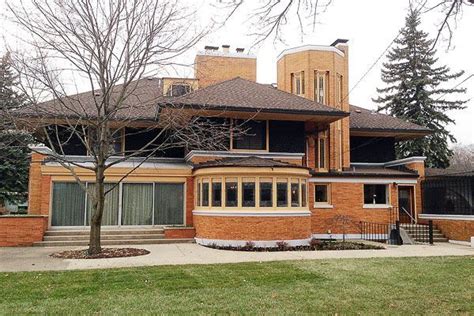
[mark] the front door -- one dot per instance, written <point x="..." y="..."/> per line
<point x="406" y="204"/>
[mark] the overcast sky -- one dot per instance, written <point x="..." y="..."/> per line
<point x="369" y="25"/>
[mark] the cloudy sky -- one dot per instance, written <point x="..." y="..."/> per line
<point x="369" y="25"/>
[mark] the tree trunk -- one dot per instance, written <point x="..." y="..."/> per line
<point x="97" y="210"/>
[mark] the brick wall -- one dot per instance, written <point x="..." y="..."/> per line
<point x="456" y="229"/>
<point x="189" y="200"/>
<point x="252" y="228"/>
<point x="347" y="200"/>
<point x="180" y="232"/>
<point x="22" y="230"/>
<point x="213" y="69"/>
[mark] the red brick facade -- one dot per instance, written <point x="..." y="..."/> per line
<point x="22" y="230"/>
<point x="461" y="230"/>
<point x="253" y="228"/>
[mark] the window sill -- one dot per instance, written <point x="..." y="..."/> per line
<point x="377" y="206"/>
<point x="323" y="206"/>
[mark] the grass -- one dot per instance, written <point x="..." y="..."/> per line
<point x="443" y="285"/>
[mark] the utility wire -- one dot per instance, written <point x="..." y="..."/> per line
<point x="466" y="79"/>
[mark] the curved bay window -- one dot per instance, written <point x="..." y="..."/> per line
<point x="259" y="192"/>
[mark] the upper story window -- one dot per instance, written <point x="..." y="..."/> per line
<point x="252" y="135"/>
<point x="375" y="194"/>
<point x="117" y="141"/>
<point x="320" y="86"/>
<point x="339" y="90"/>
<point x="321" y="148"/>
<point x="297" y="83"/>
<point x="178" y="89"/>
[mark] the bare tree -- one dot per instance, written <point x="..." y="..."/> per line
<point x="113" y="46"/>
<point x="462" y="158"/>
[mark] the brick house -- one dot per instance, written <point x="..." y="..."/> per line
<point x="310" y="157"/>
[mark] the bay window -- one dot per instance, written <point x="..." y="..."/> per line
<point x="295" y="193"/>
<point x="248" y="192"/>
<point x="266" y="192"/>
<point x="282" y="193"/>
<point x="216" y="192"/>
<point x="205" y="192"/>
<point x="231" y="191"/>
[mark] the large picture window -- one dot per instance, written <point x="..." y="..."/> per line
<point x="137" y="204"/>
<point x="375" y="194"/>
<point x="252" y="135"/>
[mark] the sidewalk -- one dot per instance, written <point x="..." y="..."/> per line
<point x="38" y="259"/>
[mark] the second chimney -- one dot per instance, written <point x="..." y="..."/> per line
<point x="225" y="48"/>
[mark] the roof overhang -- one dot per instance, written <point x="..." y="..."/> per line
<point x="398" y="134"/>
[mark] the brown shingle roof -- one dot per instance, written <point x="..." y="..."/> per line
<point x="142" y="104"/>
<point x="437" y="172"/>
<point x="251" y="161"/>
<point x="373" y="171"/>
<point x="244" y="95"/>
<point x="367" y="120"/>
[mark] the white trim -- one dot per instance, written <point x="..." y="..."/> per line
<point x="310" y="47"/>
<point x="241" y="154"/>
<point x="447" y="217"/>
<point x="460" y="242"/>
<point x="252" y="213"/>
<point x="377" y="206"/>
<point x="391" y="163"/>
<point x="323" y="205"/>
<point x="362" y="180"/>
<point x="217" y="53"/>
<point x="257" y="243"/>
<point x="348" y="236"/>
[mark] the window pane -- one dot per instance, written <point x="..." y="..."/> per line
<point x="375" y="194"/>
<point x="248" y="194"/>
<point x="169" y="204"/>
<point x="254" y="135"/>
<point x="303" y="194"/>
<point x="137" y="206"/>
<point x="231" y="194"/>
<point x="282" y="194"/>
<point x="322" y="153"/>
<point x="198" y="198"/>
<point x="205" y="194"/>
<point x="266" y="198"/>
<point x="68" y="204"/>
<point x="321" y="194"/>
<point x="110" y="215"/>
<point x="216" y="194"/>
<point x="295" y="195"/>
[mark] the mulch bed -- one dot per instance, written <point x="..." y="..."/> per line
<point x="105" y="253"/>
<point x="314" y="245"/>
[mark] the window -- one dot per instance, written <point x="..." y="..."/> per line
<point x="198" y="195"/>
<point x="137" y="204"/>
<point x="248" y="193"/>
<point x="205" y="194"/>
<point x="375" y="194"/>
<point x="321" y="195"/>
<point x="321" y="151"/>
<point x="297" y="83"/>
<point x="282" y="194"/>
<point x="176" y="90"/>
<point x="339" y="90"/>
<point x="253" y="135"/>
<point x="266" y="192"/>
<point x="231" y="192"/>
<point x="320" y="87"/>
<point x="216" y="192"/>
<point x="295" y="193"/>
<point x="116" y="142"/>
<point x="303" y="193"/>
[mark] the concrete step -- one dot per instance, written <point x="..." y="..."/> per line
<point x="103" y="237"/>
<point x="113" y="242"/>
<point x="125" y="231"/>
<point x="438" y="239"/>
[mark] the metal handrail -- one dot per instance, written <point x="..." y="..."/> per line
<point x="413" y="221"/>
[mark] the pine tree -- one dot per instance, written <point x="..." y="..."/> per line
<point x="414" y="93"/>
<point x="14" y="161"/>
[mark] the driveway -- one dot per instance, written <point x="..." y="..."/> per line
<point x="38" y="259"/>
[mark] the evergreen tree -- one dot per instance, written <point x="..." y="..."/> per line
<point x="14" y="160"/>
<point x="414" y="93"/>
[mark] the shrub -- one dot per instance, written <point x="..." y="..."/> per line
<point x="282" y="245"/>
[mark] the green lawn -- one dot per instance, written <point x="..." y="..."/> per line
<point x="374" y="286"/>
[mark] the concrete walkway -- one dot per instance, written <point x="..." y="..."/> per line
<point x="38" y="259"/>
